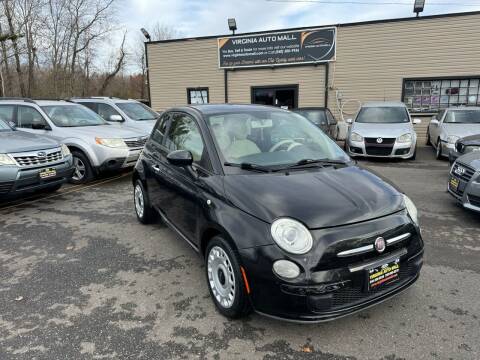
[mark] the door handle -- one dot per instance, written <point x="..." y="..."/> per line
<point x="156" y="168"/>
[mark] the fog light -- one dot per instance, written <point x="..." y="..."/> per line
<point x="286" y="269"/>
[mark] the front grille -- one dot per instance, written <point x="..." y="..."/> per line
<point x="33" y="158"/>
<point x="464" y="175"/>
<point x="474" y="200"/>
<point x="385" y="141"/>
<point x="136" y="143"/>
<point x="5" y="187"/>
<point x="379" y="150"/>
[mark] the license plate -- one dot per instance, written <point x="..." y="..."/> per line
<point x="382" y="275"/>
<point x="47" y="173"/>
<point x="454" y="182"/>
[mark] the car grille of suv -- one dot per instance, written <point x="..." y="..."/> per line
<point x="33" y="159"/>
<point x="467" y="173"/>
<point x="136" y="143"/>
<point x="5" y="187"/>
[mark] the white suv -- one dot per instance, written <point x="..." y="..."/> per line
<point x="131" y="113"/>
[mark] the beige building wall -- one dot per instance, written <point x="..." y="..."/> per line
<point x="372" y="60"/>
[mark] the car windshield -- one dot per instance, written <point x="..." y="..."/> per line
<point x="463" y="117"/>
<point x="270" y="138"/>
<point x="73" y="116"/>
<point x="315" y="116"/>
<point x="383" y="115"/>
<point x="4" y="126"/>
<point x="137" y="111"/>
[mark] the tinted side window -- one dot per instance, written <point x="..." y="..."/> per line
<point x="91" y="106"/>
<point x="160" y="128"/>
<point x="184" y="134"/>
<point x="105" y="111"/>
<point x="6" y="113"/>
<point x="27" y="115"/>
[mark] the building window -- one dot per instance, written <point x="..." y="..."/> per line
<point x="430" y="95"/>
<point x="197" y="95"/>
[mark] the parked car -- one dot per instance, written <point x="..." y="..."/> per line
<point x="96" y="145"/>
<point x="451" y="124"/>
<point x="131" y="113"/>
<point x="286" y="222"/>
<point x="382" y="129"/>
<point x="30" y="162"/>
<point x="322" y="117"/>
<point x="464" y="182"/>
<point x="464" y="146"/>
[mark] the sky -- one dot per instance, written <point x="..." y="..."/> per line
<point x="209" y="17"/>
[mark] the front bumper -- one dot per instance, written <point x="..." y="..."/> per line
<point x="397" y="151"/>
<point x="331" y="288"/>
<point x="115" y="159"/>
<point x="15" y="180"/>
<point x="467" y="193"/>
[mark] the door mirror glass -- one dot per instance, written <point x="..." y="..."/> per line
<point x="417" y="121"/>
<point x="115" y="118"/>
<point x="180" y="158"/>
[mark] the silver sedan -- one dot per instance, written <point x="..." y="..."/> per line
<point x="450" y="125"/>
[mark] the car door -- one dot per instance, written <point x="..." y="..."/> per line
<point x="332" y="124"/>
<point x="434" y="129"/>
<point x="183" y="184"/>
<point x="31" y="120"/>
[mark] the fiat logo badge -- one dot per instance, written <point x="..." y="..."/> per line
<point x="380" y="244"/>
<point x="379" y="140"/>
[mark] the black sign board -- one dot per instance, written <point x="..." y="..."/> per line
<point x="280" y="48"/>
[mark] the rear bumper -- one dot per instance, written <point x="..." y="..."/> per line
<point x="20" y="181"/>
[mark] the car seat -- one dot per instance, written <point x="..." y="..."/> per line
<point x="238" y="130"/>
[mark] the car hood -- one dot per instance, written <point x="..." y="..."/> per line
<point x="145" y="126"/>
<point x="471" y="159"/>
<point x="471" y="140"/>
<point x="19" y="141"/>
<point x="461" y="130"/>
<point x="105" y="131"/>
<point x="317" y="197"/>
<point x="382" y="130"/>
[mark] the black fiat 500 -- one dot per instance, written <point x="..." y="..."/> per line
<point x="287" y="223"/>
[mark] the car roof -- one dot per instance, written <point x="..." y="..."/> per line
<point x="53" y="102"/>
<point x="384" y="104"/>
<point x="209" y="109"/>
<point x="103" y="98"/>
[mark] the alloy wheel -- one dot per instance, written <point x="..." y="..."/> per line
<point x="139" y="201"/>
<point x="221" y="277"/>
<point x="80" y="169"/>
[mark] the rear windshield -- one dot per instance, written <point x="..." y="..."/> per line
<point x="383" y="115"/>
<point x="73" y="116"/>
<point x="4" y="126"/>
<point x="463" y="117"/>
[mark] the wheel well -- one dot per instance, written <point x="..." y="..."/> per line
<point x="77" y="149"/>
<point x="209" y="234"/>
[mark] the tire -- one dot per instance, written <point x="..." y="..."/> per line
<point x="146" y="214"/>
<point x="439" y="155"/>
<point x="414" y="156"/>
<point x="224" y="279"/>
<point x="83" y="170"/>
<point x="429" y="141"/>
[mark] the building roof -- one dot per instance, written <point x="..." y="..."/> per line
<point x="370" y="22"/>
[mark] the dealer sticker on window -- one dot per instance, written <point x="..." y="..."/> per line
<point x="383" y="275"/>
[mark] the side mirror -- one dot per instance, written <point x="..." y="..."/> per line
<point x="38" y="125"/>
<point x="349" y="121"/>
<point x="434" y="121"/>
<point x="115" y="118"/>
<point x="180" y="158"/>
<point x="417" y="121"/>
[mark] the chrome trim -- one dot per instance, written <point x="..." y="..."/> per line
<point x="368" y="248"/>
<point x="378" y="262"/>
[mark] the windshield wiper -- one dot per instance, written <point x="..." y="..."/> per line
<point x="303" y="162"/>
<point x="249" y="166"/>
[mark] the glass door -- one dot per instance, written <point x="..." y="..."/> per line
<point x="285" y="97"/>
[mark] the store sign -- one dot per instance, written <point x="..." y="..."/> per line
<point x="281" y="48"/>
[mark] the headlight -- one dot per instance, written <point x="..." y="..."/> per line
<point x="65" y="150"/>
<point x="452" y="139"/>
<point x="356" y="137"/>
<point x="405" y="138"/>
<point x="114" y="143"/>
<point x="411" y="209"/>
<point x="6" y="160"/>
<point x="291" y="236"/>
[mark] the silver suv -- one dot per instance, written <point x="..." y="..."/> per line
<point x="30" y="162"/>
<point x="95" y="144"/>
<point x="131" y="113"/>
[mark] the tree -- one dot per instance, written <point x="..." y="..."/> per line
<point x="119" y="65"/>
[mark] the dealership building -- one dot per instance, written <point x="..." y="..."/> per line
<point x="428" y="62"/>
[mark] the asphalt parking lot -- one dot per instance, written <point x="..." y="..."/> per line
<point x="80" y="278"/>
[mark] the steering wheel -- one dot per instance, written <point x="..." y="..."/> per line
<point x="292" y="145"/>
